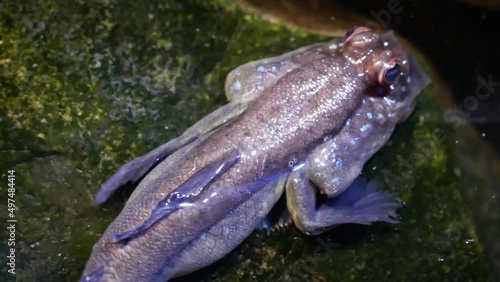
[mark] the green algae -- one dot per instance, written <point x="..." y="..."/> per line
<point x="87" y="86"/>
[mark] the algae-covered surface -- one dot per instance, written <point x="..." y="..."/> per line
<point x="89" y="85"/>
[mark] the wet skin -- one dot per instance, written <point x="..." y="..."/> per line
<point x="304" y="122"/>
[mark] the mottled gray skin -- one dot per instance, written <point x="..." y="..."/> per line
<point x="282" y="111"/>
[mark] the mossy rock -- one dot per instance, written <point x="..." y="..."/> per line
<point x="87" y="86"/>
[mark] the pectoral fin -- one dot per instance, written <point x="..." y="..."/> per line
<point x="184" y="196"/>
<point x="361" y="203"/>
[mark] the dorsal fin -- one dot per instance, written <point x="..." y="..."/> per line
<point x="134" y="171"/>
<point x="184" y="195"/>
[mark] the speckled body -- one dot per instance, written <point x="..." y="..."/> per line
<point x="313" y="103"/>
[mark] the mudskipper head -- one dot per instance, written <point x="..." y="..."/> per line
<point x="376" y="64"/>
<point x="394" y="76"/>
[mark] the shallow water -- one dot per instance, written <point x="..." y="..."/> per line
<point x="87" y="86"/>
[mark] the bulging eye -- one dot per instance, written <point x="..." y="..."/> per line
<point x="353" y="31"/>
<point x="350" y="31"/>
<point x="390" y="75"/>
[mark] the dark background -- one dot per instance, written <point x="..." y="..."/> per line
<point x="463" y="43"/>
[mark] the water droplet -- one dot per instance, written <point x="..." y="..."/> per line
<point x="467" y="241"/>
